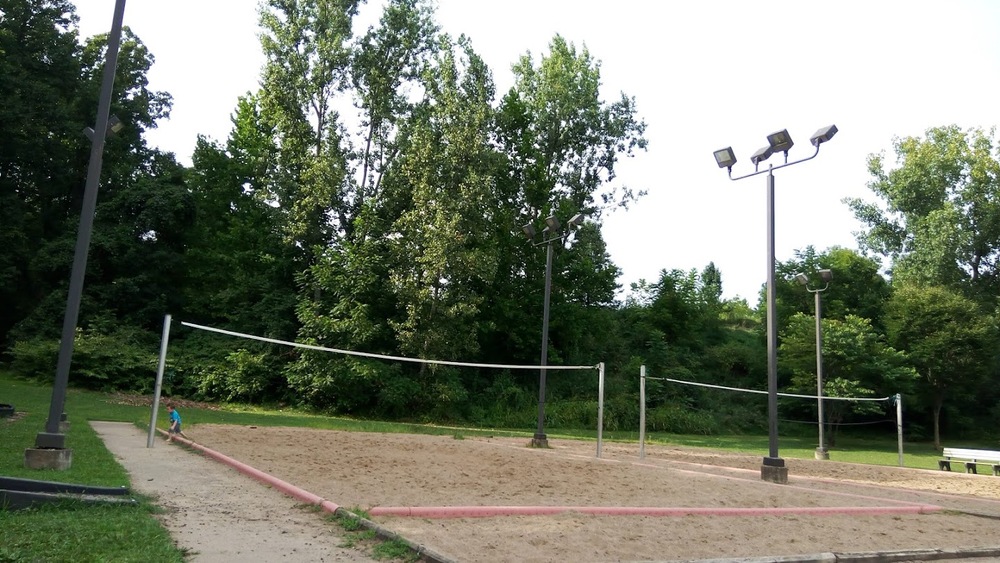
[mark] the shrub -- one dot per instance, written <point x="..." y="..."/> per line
<point x="243" y="376"/>
<point x="680" y="420"/>
<point x="121" y="361"/>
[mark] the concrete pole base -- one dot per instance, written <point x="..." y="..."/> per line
<point x="822" y="453"/>
<point x="48" y="458"/>
<point x="63" y="427"/>
<point x="774" y="474"/>
<point x="537" y="442"/>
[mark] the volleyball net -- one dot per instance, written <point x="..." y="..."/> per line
<point x="895" y="400"/>
<point x="370" y="355"/>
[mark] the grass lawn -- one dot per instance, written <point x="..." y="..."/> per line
<point x="79" y="532"/>
<point x="74" y="531"/>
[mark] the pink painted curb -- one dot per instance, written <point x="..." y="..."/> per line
<point x="488" y="511"/>
<point x="283" y="486"/>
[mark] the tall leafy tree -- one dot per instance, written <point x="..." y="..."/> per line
<point x="344" y="299"/>
<point x="388" y="63"/>
<point x="442" y="253"/>
<point x="144" y="209"/>
<point x="142" y="205"/>
<point x="240" y="270"/>
<point x="447" y="166"/>
<point x="939" y="218"/>
<point x="331" y="164"/>
<point x="562" y="139"/>
<point x="947" y="338"/>
<point x="307" y="49"/>
<point x="39" y="84"/>
<point x="857" y="363"/>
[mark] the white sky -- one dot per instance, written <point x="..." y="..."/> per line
<point x="705" y="75"/>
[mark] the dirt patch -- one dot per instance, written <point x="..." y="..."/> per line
<point x="134" y="400"/>
<point x="365" y="470"/>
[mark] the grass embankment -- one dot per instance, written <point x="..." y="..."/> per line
<point x="81" y="532"/>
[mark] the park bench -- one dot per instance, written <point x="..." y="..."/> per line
<point x="970" y="458"/>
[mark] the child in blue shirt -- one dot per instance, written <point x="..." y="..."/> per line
<point x="175" y="424"/>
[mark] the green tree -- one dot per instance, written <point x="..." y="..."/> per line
<point x="388" y="59"/>
<point x="331" y="180"/>
<point x="240" y="271"/>
<point x="307" y="52"/>
<point x="442" y="255"/>
<point x="857" y="287"/>
<point x="939" y="218"/>
<point x="563" y="141"/>
<point x="857" y="363"/>
<point x="142" y="209"/>
<point x="947" y="338"/>
<point x="39" y="85"/>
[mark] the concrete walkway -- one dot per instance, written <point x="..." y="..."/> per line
<point x="216" y="513"/>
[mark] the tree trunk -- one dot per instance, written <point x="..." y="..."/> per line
<point x="937" y="422"/>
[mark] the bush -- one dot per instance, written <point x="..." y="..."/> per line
<point x="504" y="404"/>
<point x="120" y="361"/>
<point x="243" y="376"/>
<point x="680" y="420"/>
<point x="571" y="414"/>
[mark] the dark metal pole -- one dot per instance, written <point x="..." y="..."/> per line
<point x="52" y="437"/>
<point x="540" y="440"/>
<point x="772" y="335"/>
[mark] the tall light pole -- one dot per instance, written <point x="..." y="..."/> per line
<point x="551" y="233"/>
<point x="773" y="467"/>
<point x="825" y="276"/>
<point x="50" y="450"/>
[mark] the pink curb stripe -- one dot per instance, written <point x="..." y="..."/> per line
<point x="489" y="511"/>
<point x="283" y="486"/>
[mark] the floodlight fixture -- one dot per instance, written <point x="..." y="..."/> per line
<point x="725" y="158"/>
<point x="824" y="275"/>
<point x="529" y="231"/>
<point x="761" y="155"/>
<point x="780" y="141"/>
<point x="823" y="135"/>
<point x="115" y="125"/>
<point x="576" y="220"/>
<point x="552" y="223"/>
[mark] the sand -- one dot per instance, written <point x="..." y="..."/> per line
<point x="856" y="508"/>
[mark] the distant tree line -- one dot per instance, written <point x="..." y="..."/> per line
<point x="370" y="197"/>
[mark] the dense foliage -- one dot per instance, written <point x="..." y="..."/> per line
<point x="370" y="197"/>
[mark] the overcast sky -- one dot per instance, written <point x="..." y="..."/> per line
<point x="705" y="75"/>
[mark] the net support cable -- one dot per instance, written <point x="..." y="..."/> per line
<point x="380" y="356"/>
